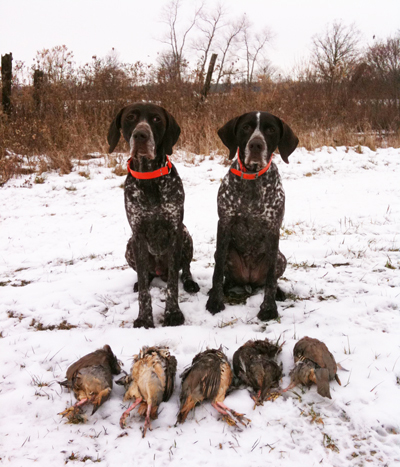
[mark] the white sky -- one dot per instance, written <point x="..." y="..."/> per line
<point x="94" y="27"/>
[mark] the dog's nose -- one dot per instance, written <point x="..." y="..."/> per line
<point x="140" y="136"/>
<point x="257" y="145"/>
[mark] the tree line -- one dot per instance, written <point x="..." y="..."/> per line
<point x="344" y="94"/>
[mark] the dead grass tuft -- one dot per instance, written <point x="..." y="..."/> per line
<point x="63" y="326"/>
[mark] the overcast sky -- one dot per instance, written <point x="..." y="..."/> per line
<point x="132" y="27"/>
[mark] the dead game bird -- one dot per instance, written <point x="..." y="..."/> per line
<point x="91" y="380"/>
<point x="314" y="364"/>
<point x="208" y="378"/>
<point x="151" y="382"/>
<point x="254" y="366"/>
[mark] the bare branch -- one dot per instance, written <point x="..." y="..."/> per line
<point x="254" y="46"/>
<point x="210" y="23"/>
<point x="231" y="37"/>
<point x="175" y="39"/>
<point x="335" y="53"/>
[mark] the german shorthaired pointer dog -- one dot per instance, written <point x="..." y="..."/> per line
<point x="160" y="244"/>
<point x="251" y="204"/>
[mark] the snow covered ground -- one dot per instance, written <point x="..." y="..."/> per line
<point x="65" y="290"/>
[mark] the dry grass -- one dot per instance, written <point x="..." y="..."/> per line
<point x="73" y="117"/>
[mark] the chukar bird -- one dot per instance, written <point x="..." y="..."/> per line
<point x="254" y="365"/>
<point x="91" y="380"/>
<point x="314" y="364"/>
<point x="151" y="382"/>
<point x="208" y="378"/>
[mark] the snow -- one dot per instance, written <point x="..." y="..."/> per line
<point x="62" y="260"/>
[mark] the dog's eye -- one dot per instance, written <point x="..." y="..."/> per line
<point x="246" y="127"/>
<point x="156" y="119"/>
<point x="270" y="130"/>
<point x="131" y="117"/>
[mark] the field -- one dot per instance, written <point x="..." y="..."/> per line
<point x="66" y="290"/>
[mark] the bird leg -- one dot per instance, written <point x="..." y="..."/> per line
<point x="147" y="422"/>
<point x="82" y="402"/>
<point x="291" y="386"/>
<point x="257" y="399"/>
<point x="230" y="415"/>
<point x="127" y="412"/>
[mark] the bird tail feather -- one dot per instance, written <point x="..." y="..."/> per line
<point x="142" y="410"/>
<point x="186" y="407"/>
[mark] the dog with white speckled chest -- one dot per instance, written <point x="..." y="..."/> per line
<point x="160" y="244"/>
<point x="251" y="204"/>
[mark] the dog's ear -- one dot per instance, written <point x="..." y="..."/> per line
<point x="288" y="142"/>
<point x="172" y="133"/>
<point x="228" y="136"/>
<point x="114" y="132"/>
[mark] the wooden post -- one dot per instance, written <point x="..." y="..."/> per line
<point x="207" y="84"/>
<point x="6" y="77"/>
<point x="38" y="78"/>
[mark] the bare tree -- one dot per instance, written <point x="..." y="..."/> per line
<point x="209" y="25"/>
<point x="266" y="70"/>
<point x="175" y="38"/>
<point x="229" y="42"/>
<point x="384" y="57"/>
<point x="335" y="53"/>
<point x="383" y="62"/>
<point x="168" y="68"/>
<point x="254" y="48"/>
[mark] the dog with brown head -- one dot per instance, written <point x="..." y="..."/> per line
<point x="160" y="244"/>
<point x="251" y="204"/>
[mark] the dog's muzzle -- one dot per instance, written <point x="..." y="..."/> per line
<point x="142" y="142"/>
<point x="256" y="154"/>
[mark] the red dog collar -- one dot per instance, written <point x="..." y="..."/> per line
<point x="241" y="173"/>
<point x="149" y="175"/>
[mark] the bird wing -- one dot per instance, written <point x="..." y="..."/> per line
<point x="317" y="352"/>
<point x="330" y="363"/>
<point x="203" y="377"/>
<point x="99" y="357"/>
<point x="92" y="380"/>
<point x="242" y="362"/>
<point x="170" y="372"/>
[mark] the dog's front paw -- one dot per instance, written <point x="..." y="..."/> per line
<point x="144" y="322"/>
<point x="268" y="311"/>
<point x="191" y="286"/>
<point x="173" y="318"/>
<point x="215" y="303"/>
